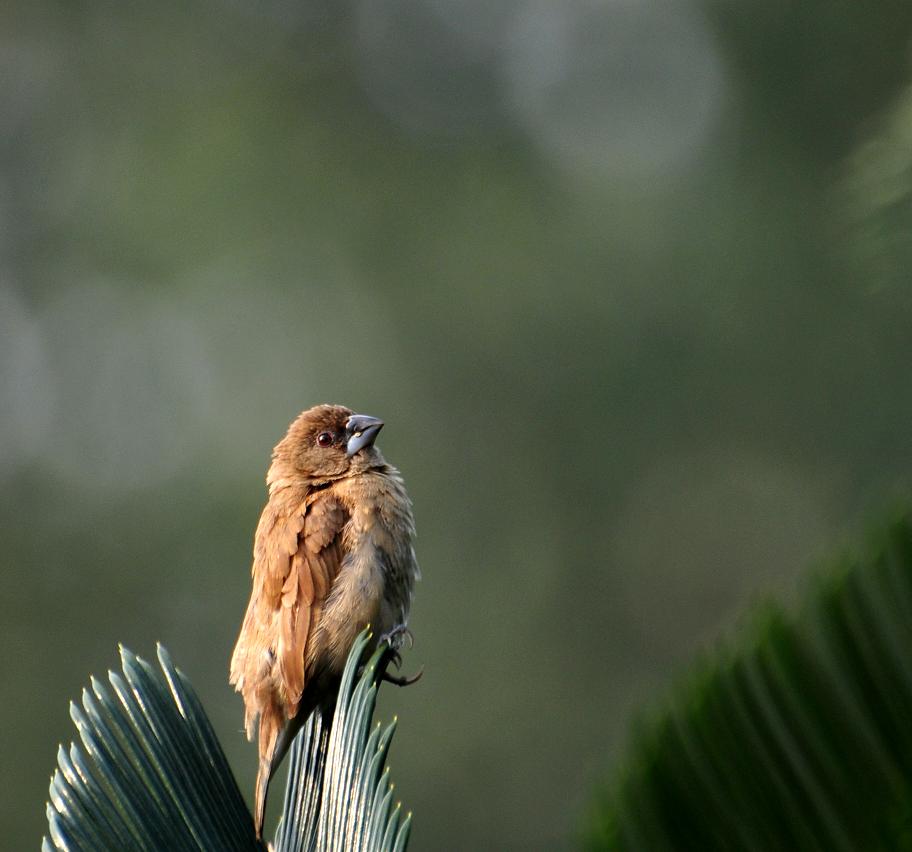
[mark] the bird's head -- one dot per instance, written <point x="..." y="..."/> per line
<point x="327" y="442"/>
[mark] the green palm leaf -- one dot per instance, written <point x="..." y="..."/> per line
<point x="151" y="775"/>
<point x="339" y="796"/>
<point x="800" y="737"/>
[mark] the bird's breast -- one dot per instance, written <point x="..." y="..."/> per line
<point x="378" y="570"/>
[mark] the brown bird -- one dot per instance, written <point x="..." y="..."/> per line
<point x="333" y="552"/>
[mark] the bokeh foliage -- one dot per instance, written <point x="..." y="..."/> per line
<point x="795" y="738"/>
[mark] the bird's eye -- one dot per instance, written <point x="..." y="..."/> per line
<point x="324" y="439"/>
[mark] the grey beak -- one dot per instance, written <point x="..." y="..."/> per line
<point x="362" y="432"/>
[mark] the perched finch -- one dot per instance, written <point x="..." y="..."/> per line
<point x="332" y="553"/>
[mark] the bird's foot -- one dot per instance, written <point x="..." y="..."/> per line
<point x="402" y="680"/>
<point x="395" y="637"/>
<point x="394" y="640"/>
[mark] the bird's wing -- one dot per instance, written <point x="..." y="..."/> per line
<point x="297" y="556"/>
<point x="314" y="566"/>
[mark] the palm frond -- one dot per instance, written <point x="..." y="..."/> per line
<point x="797" y="738"/>
<point x="151" y="775"/>
<point x="339" y="795"/>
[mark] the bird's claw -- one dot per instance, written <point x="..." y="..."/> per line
<point x="394" y="640"/>
<point x="403" y="680"/>
<point x="395" y="636"/>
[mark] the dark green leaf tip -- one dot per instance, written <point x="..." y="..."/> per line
<point x="794" y="736"/>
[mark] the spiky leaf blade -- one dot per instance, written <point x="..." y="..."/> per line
<point x="796" y="738"/>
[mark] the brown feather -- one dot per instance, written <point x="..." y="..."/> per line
<point x="297" y="555"/>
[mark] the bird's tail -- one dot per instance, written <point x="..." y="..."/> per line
<point x="262" y="787"/>
<point x="270" y="726"/>
<point x="276" y="735"/>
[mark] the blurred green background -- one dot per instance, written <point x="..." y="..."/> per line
<point x="627" y="280"/>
